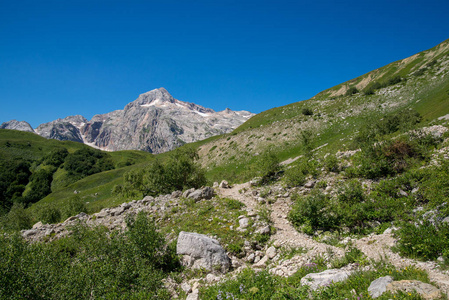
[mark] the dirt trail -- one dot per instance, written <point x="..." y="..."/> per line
<point x="375" y="247"/>
<point x="285" y="232"/>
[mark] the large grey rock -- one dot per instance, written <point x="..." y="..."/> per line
<point x="427" y="291"/>
<point x="325" y="278"/>
<point x="201" y="251"/>
<point x="204" y="193"/>
<point x="379" y="286"/>
<point x="17" y="125"/>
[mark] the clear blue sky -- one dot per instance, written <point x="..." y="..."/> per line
<point x="60" y="58"/>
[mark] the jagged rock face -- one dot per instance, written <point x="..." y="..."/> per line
<point x="17" y="125"/>
<point x="67" y="129"/>
<point x="156" y="122"/>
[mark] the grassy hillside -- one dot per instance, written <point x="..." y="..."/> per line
<point x="32" y="167"/>
<point x="329" y="121"/>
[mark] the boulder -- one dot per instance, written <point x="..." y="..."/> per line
<point x="224" y="184"/>
<point x="262" y="263"/>
<point x="244" y="223"/>
<point x="325" y="278"/>
<point x="188" y="192"/>
<point x="310" y="184"/>
<point x="204" y="193"/>
<point x="201" y="251"/>
<point x="271" y="252"/>
<point x="425" y="290"/>
<point x="379" y="286"/>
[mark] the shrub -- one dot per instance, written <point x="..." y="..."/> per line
<point x="352" y="91"/>
<point x="267" y="165"/>
<point x="47" y="213"/>
<point x="18" y="218"/>
<point x="307" y="111"/>
<point x="331" y="163"/>
<point x="314" y="212"/>
<point x="89" y="263"/>
<point x="180" y="171"/>
<point x="351" y="193"/>
<point x="296" y="175"/>
<point x="424" y="241"/>
<point x="74" y="206"/>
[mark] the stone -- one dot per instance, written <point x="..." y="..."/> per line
<point x="379" y="286"/>
<point x="325" y="278"/>
<point x="176" y="194"/>
<point x="402" y="193"/>
<point x="193" y="296"/>
<point x="117" y="211"/>
<point x="235" y="263"/>
<point x="255" y="181"/>
<point x="260" y="200"/>
<point x="186" y="287"/>
<point x="148" y="199"/>
<point x="264" y="230"/>
<point x="425" y="290"/>
<point x="37" y="225"/>
<point x="310" y="184"/>
<point x="251" y="258"/>
<point x="271" y="252"/>
<point x="215" y="184"/>
<point x="201" y="251"/>
<point x="244" y="222"/>
<point x="187" y="192"/>
<point x="262" y="263"/>
<point x="28" y="233"/>
<point x="224" y="184"/>
<point x="211" y="278"/>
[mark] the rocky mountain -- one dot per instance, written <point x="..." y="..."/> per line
<point x="17" y="125"/>
<point x="155" y="122"/>
<point x="67" y="129"/>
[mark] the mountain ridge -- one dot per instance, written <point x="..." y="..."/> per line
<point x="155" y="122"/>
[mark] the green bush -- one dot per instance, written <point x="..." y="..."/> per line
<point x="74" y="206"/>
<point x="18" y="218"/>
<point x="307" y="111"/>
<point x="331" y="164"/>
<point x="267" y="166"/>
<point x="296" y="175"/>
<point x="424" y="241"/>
<point x="351" y="192"/>
<point x="91" y="263"/>
<point x="87" y="161"/>
<point x="352" y="91"/>
<point x="314" y="212"/>
<point x="47" y="213"/>
<point x="180" y="171"/>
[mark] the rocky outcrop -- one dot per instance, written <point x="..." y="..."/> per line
<point x="17" y="125"/>
<point x="67" y="129"/>
<point x="325" y="278"/>
<point x="425" y="290"/>
<point x="202" y="252"/>
<point x="379" y="286"/>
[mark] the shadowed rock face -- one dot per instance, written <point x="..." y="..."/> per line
<point x="155" y="122"/>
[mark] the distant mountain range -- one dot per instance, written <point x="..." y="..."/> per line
<point x="155" y="122"/>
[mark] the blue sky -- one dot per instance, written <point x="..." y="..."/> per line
<point x="60" y="58"/>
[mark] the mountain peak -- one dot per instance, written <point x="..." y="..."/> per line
<point x="154" y="97"/>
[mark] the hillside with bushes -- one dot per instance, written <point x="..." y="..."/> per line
<point x="353" y="183"/>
